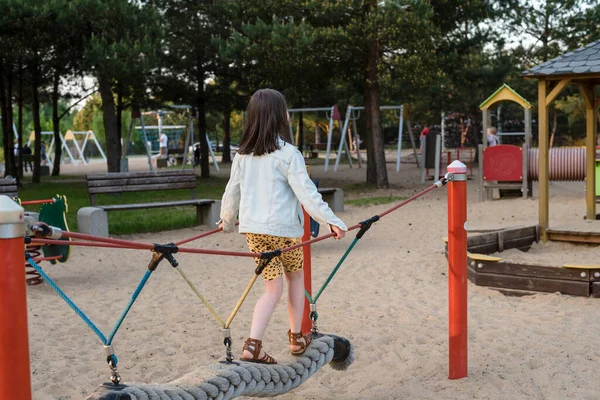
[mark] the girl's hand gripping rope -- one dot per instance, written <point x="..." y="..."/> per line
<point x="339" y="232"/>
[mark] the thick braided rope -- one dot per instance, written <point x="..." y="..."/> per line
<point x="244" y="379"/>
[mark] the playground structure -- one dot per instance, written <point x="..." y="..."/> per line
<point x="332" y="114"/>
<point x="433" y="155"/>
<point x="74" y="137"/>
<point x="177" y="150"/>
<point x="15" y="382"/>
<point x="50" y="149"/>
<point x="514" y="167"/>
<point x="581" y="68"/>
<point x="352" y="114"/>
<point x="504" y="166"/>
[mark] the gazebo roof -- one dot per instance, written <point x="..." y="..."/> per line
<point x="585" y="60"/>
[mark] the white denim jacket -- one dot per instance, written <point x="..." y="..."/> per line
<point x="268" y="190"/>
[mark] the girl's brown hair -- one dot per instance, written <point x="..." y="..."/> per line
<point x="266" y="122"/>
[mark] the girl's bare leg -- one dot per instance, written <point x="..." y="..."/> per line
<point x="295" y="282"/>
<point x="263" y="310"/>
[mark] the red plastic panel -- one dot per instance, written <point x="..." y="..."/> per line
<point x="503" y="163"/>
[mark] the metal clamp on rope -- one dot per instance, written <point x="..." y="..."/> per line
<point x="169" y="248"/>
<point x="111" y="359"/>
<point x="444" y="180"/>
<point x="265" y="258"/>
<point x="165" y="251"/>
<point x="227" y="343"/>
<point x="156" y="259"/>
<point x="366" y="225"/>
<point x="314" y="316"/>
<point x="43" y="230"/>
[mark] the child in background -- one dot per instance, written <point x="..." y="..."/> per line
<point x="492" y="139"/>
<point x="268" y="185"/>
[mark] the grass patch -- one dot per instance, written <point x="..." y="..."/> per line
<point x="358" y="188"/>
<point x="374" y="201"/>
<point x="133" y="221"/>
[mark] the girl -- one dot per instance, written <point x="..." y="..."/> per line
<point x="267" y="185"/>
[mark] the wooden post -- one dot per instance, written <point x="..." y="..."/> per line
<point x="14" y="339"/>
<point x="544" y="213"/>
<point x="486" y="120"/>
<point x="590" y="145"/>
<point x="457" y="271"/>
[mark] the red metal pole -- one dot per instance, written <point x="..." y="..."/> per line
<point x="306" y="322"/>
<point x="14" y="339"/>
<point x="457" y="271"/>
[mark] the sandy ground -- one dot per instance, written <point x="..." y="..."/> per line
<point x="389" y="299"/>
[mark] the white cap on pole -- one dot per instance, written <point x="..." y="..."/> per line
<point x="457" y="167"/>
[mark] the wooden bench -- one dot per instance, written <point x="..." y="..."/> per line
<point x="8" y="187"/>
<point x="93" y="219"/>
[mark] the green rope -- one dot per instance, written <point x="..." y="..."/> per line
<point x="332" y="274"/>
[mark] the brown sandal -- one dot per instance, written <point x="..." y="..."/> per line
<point x="295" y="341"/>
<point x="254" y="346"/>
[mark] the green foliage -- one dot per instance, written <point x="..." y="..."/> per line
<point x="573" y="106"/>
<point x="433" y="56"/>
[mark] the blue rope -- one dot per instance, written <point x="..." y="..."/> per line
<point x="134" y="296"/>
<point x="67" y="300"/>
<point x="105" y="341"/>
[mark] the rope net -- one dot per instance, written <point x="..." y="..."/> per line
<point x="47" y="235"/>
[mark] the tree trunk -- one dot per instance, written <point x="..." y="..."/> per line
<point x="113" y="144"/>
<point x="120" y="107"/>
<point x="56" y="125"/>
<point x="300" y="130"/>
<point x="35" y="109"/>
<point x="20" y="118"/>
<point x="226" y="158"/>
<point x="5" y="130"/>
<point x="201" y="105"/>
<point x="376" y="167"/>
<point x="11" y="165"/>
<point x="554" y="126"/>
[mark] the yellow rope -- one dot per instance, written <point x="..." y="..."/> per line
<point x="241" y="301"/>
<point x="203" y="299"/>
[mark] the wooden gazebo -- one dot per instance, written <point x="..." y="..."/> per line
<point x="581" y="67"/>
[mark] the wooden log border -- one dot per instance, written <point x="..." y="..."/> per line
<point x="522" y="277"/>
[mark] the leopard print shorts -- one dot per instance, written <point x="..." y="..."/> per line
<point x="290" y="261"/>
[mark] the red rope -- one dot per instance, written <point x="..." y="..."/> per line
<point x="127" y="244"/>
<point x="416" y="196"/>
<point x="80" y="243"/>
<point x="201" y="235"/>
<point x="119" y="246"/>
<point x="31" y="202"/>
